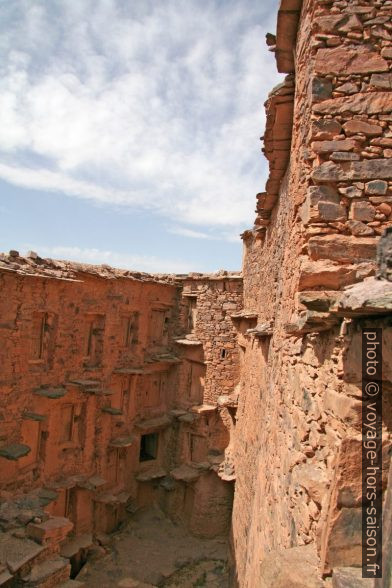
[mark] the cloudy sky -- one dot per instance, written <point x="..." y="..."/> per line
<point x="129" y="129"/>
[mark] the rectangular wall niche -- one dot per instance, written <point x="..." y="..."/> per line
<point x="41" y="335"/>
<point x="192" y="313"/>
<point x="159" y="326"/>
<point x="95" y="326"/>
<point x="148" y="447"/>
<point x="131" y="329"/>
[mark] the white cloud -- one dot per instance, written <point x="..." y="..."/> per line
<point x="184" y="232"/>
<point x="146" y="104"/>
<point x="142" y="263"/>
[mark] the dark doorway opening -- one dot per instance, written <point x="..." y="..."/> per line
<point x="148" y="447"/>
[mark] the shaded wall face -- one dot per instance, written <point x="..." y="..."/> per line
<point x="297" y="450"/>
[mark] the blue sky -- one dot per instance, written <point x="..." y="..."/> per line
<point x="130" y="130"/>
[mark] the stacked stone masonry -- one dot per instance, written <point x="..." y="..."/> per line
<point x="309" y="289"/>
<point x="111" y="401"/>
<point x="120" y="389"/>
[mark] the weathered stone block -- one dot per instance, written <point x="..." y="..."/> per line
<point x="321" y="89"/>
<point x="376" y="187"/>
<point x="371" y="297"/>
<point x="384" y="255"/>
<point x="362" y="211"/>
<point x="344" y="156"/>
<point x="359" y="229"/>
<point x="329" y="211"/>
<point x="326" y="129"/>
<point x="54" y="529"/>
<point x="353" y="127"/>
<point x="295" y="567"/>
<point x="322" y="204"/>
<point x="330" y="275"/>
<point x="342" y="248"/>
<point x="356" y="170"/>
<point x="345" y="540"/>
<point x="361" y="103"/>
<point x="349" y="60"/>
<point x="381" y="81"/>
<point x="350" y="578"/>
<point x="351" y="192"/>
<point x="337" y="22"/>
<point x="329" y="146"/>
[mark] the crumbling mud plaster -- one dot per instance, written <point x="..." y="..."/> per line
<point x="309" y="289"/>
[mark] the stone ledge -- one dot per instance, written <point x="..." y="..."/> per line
<point x="120" y="442"/>
<point x="370" y="297"/>
<point x="14" y="451"/>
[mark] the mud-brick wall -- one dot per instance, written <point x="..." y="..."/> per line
<point x="296" y="444"/>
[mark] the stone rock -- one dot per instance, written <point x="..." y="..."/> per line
<point x="295" y="567"/>
<point x="381" y="81"/>
<point x="329" y="146"/>
<point x="310" y="321"/>
<point x="323" y="129"/>
<point x="342" y="248"/>
<point x="329" y="23"/>
<point x="350" y="578"/>
<point x="359" y="229"/>
<point x="353" y="127"/>
<point x="329" y="275"/>
<point x="320" y="301"/>
<point x="384" y="208"/>
<point x="349" y="60"/>
<point x="355" y="170"/>
<point x="313" y="479"/>
<point x="345" y="539"/>
<point x="362" y="211"/>
<point x="386" y="52"/>
<point x="321" y="89"/>
<point x="351" y="192"/>
<point x="370" y="297"/>
<point x="347" y="88"/>
<point x="54" y="529"/>
<point x="322" y="204"/>
<point x="32" y="255"/>
<point x="344" y="156"/>
<point x="384" y="255"/>
<point x="361" y="103"/>
<point x="376" y="187"/>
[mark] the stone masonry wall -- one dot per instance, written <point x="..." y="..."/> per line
<point x="297" y="450"/>
<point x="108" y="404"/>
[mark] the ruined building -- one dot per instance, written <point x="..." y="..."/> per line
<point x="233" y="402"/>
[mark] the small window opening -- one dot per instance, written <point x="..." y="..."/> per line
<point x="224" y="353"/>
<point x="148" y="447"/>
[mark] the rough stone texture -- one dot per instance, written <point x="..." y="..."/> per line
<point x="356" y="170"/>
<point x="93" y="359"/>
<point x="296" y="447"/>
<point x="385" y="256"/>
<point x="260" y="387"/>
<point x="361" y="103"/>
<point x="349" y="60"/>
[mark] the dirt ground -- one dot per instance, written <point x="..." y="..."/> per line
<point x="153" y="551"/>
